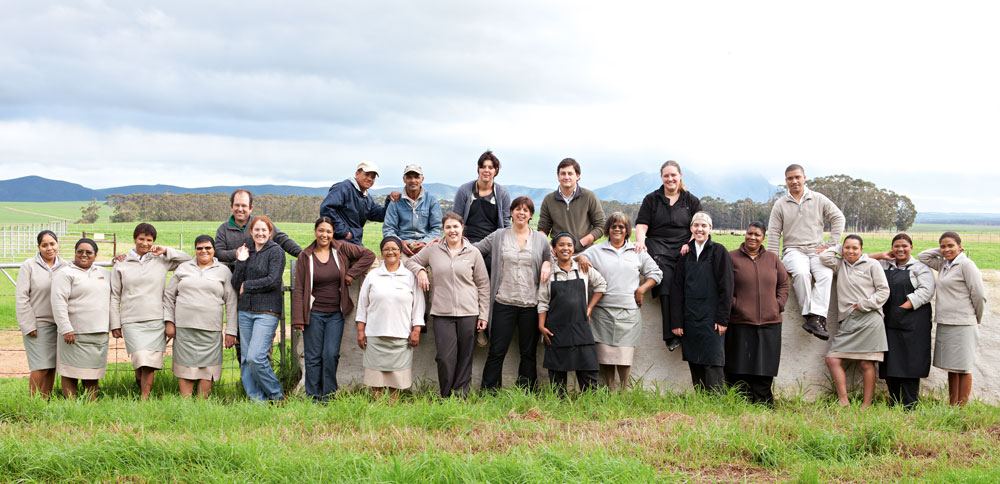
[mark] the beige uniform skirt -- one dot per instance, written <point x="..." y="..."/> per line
<point x="388" y="362"/>
<point x="41" y="350"/>
<point x="955" y="347"/>
<point x="617" y="332"/>
<point x="197" y="354"/>
<point x="86" y="359"/>
<point x="860" y="337"/>
<point x="145" y="341"/>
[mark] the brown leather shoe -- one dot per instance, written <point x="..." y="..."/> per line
<point x="816" y="325"/>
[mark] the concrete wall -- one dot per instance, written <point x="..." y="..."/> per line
<point x="802" y="368"/>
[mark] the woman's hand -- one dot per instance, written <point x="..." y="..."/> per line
<point x="906" y="305"/>
<point x="69" y="338"/>
<point x="685" y="249"/>
<point x="856" y="308"/>
<point x="230" y="341"/>
<point x="300" y="327"/>
<point x="117" y="333"/>
<point x="362" y="339"/>
<point x="546" y="272"/>
<point x="33" y="334"/>
<point x="640" y="247"/>
<point x="639" y="294"/>
<point x="678" y="331"/>
<point x="241" y="289"/>
<point x="348" y="280"/>
<point x="546" y="334"/>
<point x="414" y="338"/>
<point x="118" y="258"/>
<point x="242" y="253"/>
<point x="481" y="325"/>
<point x="422" y="280"/>
<point x="158" y="250"/>
<point x="721" y="329"/>
<point x="583" y="263"/>
<point x="169" y="329"/>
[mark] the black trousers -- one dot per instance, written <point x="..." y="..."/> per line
<point x="507" y="319"/>
<point x="755" y="388"/>
<point x="665" y="315"/>
<point x="455" y="339"/>
<point x="707" y="377"/>
<point x="584" y="379"/>
<point x="904" y="391"/>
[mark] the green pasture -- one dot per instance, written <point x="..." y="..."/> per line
<point x="638" y="436"/>
<point x="15" y="212"/>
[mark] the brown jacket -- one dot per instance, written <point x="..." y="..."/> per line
<point x="352" y="260"/>
<point x="761" y="287"/>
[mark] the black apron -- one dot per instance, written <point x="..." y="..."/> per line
<point x="572" y="347"/>
<point x="701" y="343"/>
<point x="907" y="330"/>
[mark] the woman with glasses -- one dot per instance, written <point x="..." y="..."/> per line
<point x="34" y="312"/>
<point x="616" y="321"/>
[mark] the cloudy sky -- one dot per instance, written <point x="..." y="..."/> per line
<point x="194" y="93"/>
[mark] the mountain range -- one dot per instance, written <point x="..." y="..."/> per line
<point x="630" y="190"/>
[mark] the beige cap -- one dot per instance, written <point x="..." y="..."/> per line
<point x="702" y="216"/>
<point x="368" y="166"/>
<point x="415" y="168"/>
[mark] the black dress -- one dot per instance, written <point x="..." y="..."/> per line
<point x="907" y="330"/>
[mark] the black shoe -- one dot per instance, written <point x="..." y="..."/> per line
<point x="816" y="326"/>
<point x="673" y="343"/>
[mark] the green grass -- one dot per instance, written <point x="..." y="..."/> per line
<point x="46" y="211"/>
<point x="638" y="436"/>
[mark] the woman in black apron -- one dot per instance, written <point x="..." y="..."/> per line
<point x="663" y="226"/>
<point x="907" y="321"/>
<point x="564" y="318"/>
<point x="700" y="301"/>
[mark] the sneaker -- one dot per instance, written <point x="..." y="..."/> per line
<point x="816" y="325"/>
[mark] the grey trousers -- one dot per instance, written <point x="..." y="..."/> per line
<point x="455" y="339"/>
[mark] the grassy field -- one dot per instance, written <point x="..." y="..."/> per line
<point x="27" y="212"/>
<point x="640" y="436"/>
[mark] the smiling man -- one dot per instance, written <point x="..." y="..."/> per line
<point x="416" y="217"/>
<point x="797" y="219"/>
<point x="571" y="208"/>
<point x="232" y="233"/>
<point x="350" y="205"/>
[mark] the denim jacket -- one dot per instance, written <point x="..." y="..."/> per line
<point x="413" y="220"/>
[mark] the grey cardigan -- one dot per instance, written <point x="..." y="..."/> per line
<point x="493" y="244"/>
<point x="463" y="201"/>
<point x="862" y="283"/>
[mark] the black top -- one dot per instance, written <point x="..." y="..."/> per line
<point x="722" y="269"/>
<point x="261" y="278"/>
<point x="482" y="219"/>
<point x="669" y="226"/>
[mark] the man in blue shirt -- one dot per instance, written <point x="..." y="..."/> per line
<point x="416" y="217"/>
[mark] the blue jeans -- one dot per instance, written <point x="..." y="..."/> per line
<point x="256" y="337"/>
<point x="321" y="340"/>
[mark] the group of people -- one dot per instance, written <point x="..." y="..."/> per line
<point x="480" y="274"/>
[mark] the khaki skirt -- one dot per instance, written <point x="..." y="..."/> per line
<point x="197" y="354"/>
<point x="86" y="359"/>
<point x="615" y="355"/>
<point x="388" y="362"/>
<point x="955" y="347"/>
<point x="41" y="350"/>
<point x="616" y="326"/>
<point x="860" y="337"/>
<point x="145" y="342"/>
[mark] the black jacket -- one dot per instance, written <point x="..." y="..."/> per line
<point x="722" y="267"/>
<point x="261" y="278"/>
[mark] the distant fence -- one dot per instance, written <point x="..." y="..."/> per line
<point x="19" y="241"/>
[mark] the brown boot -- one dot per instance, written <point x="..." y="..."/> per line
<point x="816" y="325"/>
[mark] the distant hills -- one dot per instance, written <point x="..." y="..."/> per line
<point x="630" y="190"/>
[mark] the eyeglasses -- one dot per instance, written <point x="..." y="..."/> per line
<point x="618" y="227"/>
<point x="390" y="249"/>
<point x="199" y="249"/>
<point x="85" y="252"/>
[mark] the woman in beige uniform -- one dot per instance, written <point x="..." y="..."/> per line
<point x="80" y="298"/>
<point x="192" y="311"/>
<point x="34" y="312"/>
<point x="137" y="301"/>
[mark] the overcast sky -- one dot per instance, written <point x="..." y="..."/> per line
<point x="194" y="93"/>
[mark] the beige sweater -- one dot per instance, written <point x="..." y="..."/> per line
<point x="197" y="298"/>
<point x="80" y="300"/>
<point x="461" y="286"/>
<point x="960" y="297"/>
<point x="137" y="286"/>
<point x="31" y="293"/>
<point x="862" y="283"/>
<point x="799" y="224"/>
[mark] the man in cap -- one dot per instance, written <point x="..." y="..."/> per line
<point x="416" y="217"/>
<point x="350" y="205"/>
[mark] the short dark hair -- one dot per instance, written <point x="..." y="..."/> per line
<point x="488" y="155"/>
<point x="42" y="234"/>
<point x="232" y="197"/>
<point x="568" y="162"/>
<point x="759" y="225"/>
<point x="86" y="241"/>
<point x="323" y="220"/>
<point x="144" y="229"/>
<point x="855" y="237"/>
<point x="902" y="236"/>
<point x="950" y="235"/>
<point x="204" y="238"/>
<point x="523" y="201"/>
<point x="555" y="239"/>
<point x="793" y="167"/>
<point x="621" y="218"/>
<point x="452" y="216"/>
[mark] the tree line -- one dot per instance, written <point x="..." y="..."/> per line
<point x="866" y="206"/>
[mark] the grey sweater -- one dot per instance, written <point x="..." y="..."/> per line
<point x="493" y="244"/>
<point x="799" y="224"/>
<point x="463" y="202"/>
<point x="137" y="286"/>
<point x="961" y="297"/>
<point x="461" y="286"/>
<point x="81" y="300"/>
<point x="623" y="269"/>
<point x="31" y="293"/>
<point x="195" y="298"/>
<point x="862" y="283"/>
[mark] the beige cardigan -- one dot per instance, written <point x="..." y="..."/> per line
<point x="799" y="224"/>
<point x="862" y="283"/>
<point x="195" y="298"/>
<point x="137" y="286"/>
<point x="461" y="286"/>
<point x="80" y="300"/>
<point x="31" y="293"/>
<point x="960" y="297"/>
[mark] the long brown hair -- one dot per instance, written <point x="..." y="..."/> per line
<point x="679" y="172"/>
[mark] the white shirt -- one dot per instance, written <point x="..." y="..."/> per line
<point x="390" y="303"/>
<point x="698" y="248"/>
